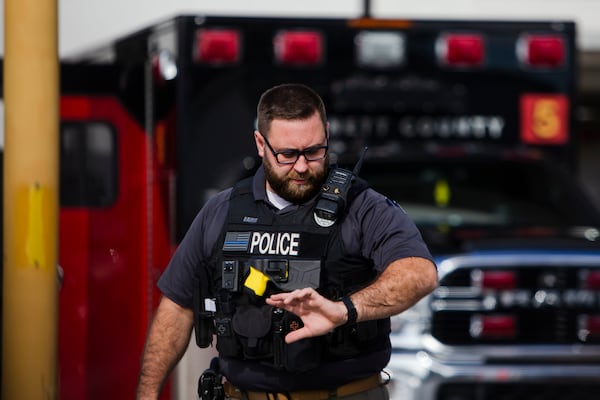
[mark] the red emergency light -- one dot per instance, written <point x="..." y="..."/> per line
<point x="494" y="279"/>
<point x="591" y="280"/>
<point x="298" y="47"/>
<point x="460" y="50"/>
<point x="541" y="51"/>
<point x="217" y="46"/>
<point x="498" y="326"/>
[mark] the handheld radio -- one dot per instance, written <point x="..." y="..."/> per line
<point x="334" y="192"/>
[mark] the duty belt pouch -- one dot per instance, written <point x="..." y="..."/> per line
<point x="302" y="355"/>
<point x="227" y="343"/>
<point x="252" y="326"/>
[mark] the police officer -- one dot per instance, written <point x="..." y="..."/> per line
<point x="300" y="306"/>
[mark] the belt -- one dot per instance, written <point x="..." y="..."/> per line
<point x="348" y="389"/>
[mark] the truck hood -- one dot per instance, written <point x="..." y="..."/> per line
<point x="444" y="240"/>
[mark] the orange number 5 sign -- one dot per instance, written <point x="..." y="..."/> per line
<point x="544" y="119"/>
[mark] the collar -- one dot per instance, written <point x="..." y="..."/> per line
<point x="259" y="185"/>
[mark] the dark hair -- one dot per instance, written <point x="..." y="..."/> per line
<point x="288" y="101"/>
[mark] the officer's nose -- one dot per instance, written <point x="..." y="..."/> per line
<point x="301" y="164"/>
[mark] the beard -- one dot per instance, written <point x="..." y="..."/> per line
<point x="284" y="187"/>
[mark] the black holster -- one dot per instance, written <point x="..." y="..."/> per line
<point x="210" y="384"/>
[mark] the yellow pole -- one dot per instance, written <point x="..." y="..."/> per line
<point x="30" y="294"/>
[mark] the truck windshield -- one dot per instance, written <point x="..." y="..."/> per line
<point x="494" y="193"/>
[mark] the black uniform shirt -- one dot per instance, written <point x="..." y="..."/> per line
<point x="375" y="227"/>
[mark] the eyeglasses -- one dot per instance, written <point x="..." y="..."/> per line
<point x="290" y="156"/>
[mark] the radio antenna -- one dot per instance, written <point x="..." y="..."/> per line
<point x="358" y="165"/>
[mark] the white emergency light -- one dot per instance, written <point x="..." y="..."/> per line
<point x="164" y="66"/>
<point x="588" y="327"/>
<point x="380" y="49"/>
<point x="301" y="47"/>
<point x="541" y="51"/>
<point x="461" y="50"/>
<point x="217" y="46"/>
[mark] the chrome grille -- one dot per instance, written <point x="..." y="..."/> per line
<point x="549" y="304"/>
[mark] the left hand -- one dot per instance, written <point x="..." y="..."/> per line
<point x="319" y="314"/>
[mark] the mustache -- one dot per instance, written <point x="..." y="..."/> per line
<point x="306" y="176"/>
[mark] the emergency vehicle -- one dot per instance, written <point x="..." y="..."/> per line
<point x="469" y="126"/>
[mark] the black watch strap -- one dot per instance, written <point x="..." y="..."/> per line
<point x="352" y="314"/>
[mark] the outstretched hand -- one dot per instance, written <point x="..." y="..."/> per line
<point x="319" y="314"/>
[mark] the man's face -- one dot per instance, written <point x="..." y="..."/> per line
<point x="301" y="180"/>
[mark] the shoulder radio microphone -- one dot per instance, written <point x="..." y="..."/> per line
<point x="334" y="193"/>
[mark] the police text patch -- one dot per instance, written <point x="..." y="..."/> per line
<point x="264" y="243"/>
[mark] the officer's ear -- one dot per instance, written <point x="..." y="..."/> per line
<point x="260" y="143"/>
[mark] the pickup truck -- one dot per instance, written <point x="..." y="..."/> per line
<point x="517" y="311"/>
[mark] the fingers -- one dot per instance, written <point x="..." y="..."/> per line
<point x="297" y="295"/>
<point x="296" y="335"/>
<point x="310" y="306"/>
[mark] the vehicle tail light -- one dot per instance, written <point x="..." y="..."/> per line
<point x="494" y="279"/>
<point x="460" y="50"/>
<point x="589" y="327"/>
<point x="379" y="49"/>
<point x="591" y="280"/>
<point x="543" y="51"/>
<point x="493" y="326"/>
<point x="298" y="47"/>
<point x="217" y="46"/>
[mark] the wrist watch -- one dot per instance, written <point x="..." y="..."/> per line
<point x="352" y="314"/>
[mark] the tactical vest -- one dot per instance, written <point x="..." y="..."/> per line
<point x="261" y="253"/>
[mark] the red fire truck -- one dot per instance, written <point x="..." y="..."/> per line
<point x="470" y="128"/>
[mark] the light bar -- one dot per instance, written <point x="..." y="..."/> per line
<point x="541" y="51"/>
<point x="380" y="49"/>
<point x="460" y="50"/>
<point x="493" y="326"/>
<point x="217" y="46"/>
<point x="494" y="279"/>
<point x="298" y="47"/>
